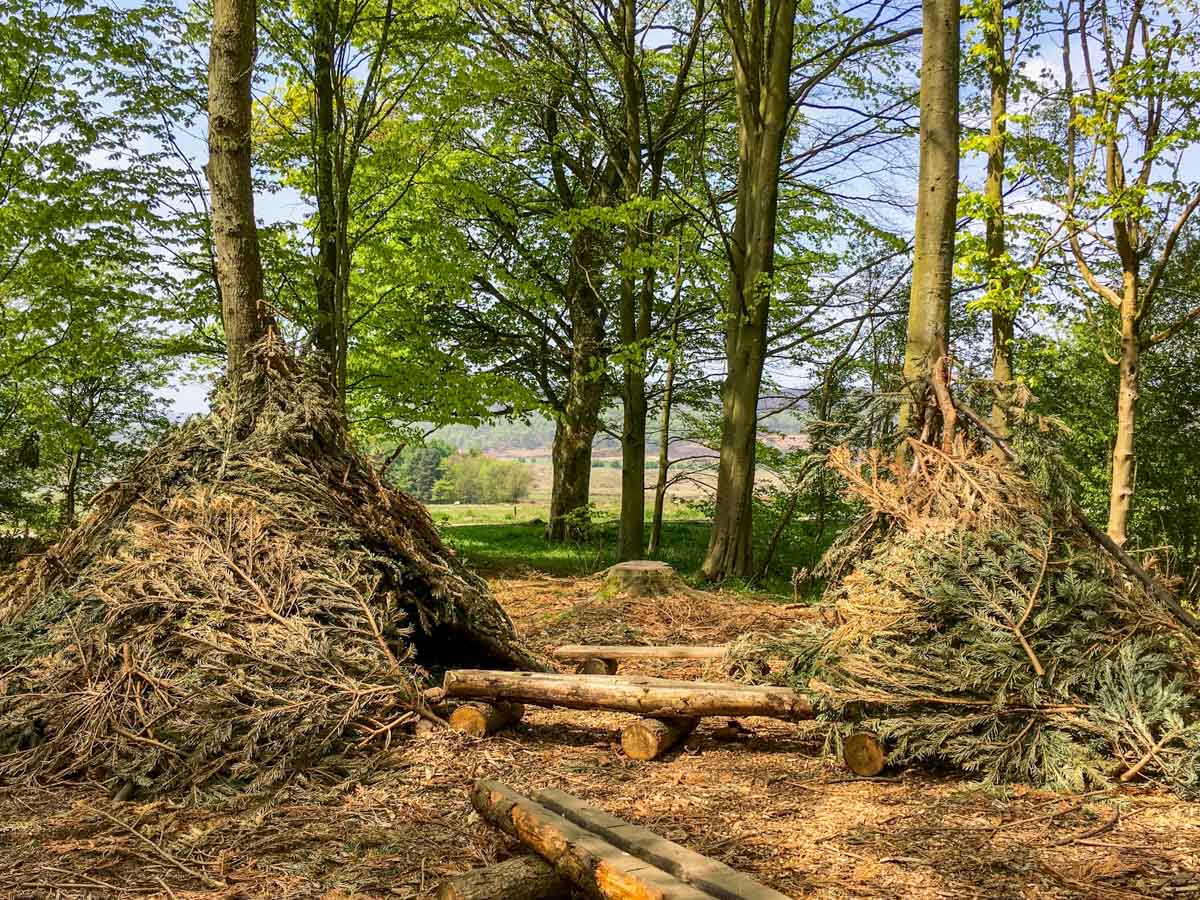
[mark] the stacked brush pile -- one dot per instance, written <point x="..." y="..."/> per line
<point x="972" y="621"/>
<point x="250" y="601"/>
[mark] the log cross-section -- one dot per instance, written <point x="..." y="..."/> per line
<point x="658" y="697"/>
<point x="714" y="878"/>
<point x="600" y="869"/>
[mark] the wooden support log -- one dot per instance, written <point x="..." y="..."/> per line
<point x="594" y="665"/>
<point x="597" y="867"/>
<point x="659" y="697"/>
<point x="863" y="754"/>
<point x="714" y="878"/>
<point x="633" y="651"/>
<point x="651" y="738"/>
<point x="520" y="878"/>
<point x="482" y="719"/>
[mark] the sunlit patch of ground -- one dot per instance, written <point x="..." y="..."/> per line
<point x="765" y="802"/>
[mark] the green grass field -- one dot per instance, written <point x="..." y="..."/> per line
<point x="495" y="541"/>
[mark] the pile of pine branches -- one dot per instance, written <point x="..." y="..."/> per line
<point x="249" y="602"/>
<point x="973" y="621"/>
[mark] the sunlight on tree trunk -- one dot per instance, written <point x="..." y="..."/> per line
<point x="937" y="195"/>
<point x="239" y="271"/>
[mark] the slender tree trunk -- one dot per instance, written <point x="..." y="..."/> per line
<point x="635" y="319"/>
<point x="998" y="287"/>
<point x="579" y="419"/>
<point x="71" y="488"/>
<point x="1124" y="460"/>
<point x="761" y="70"/>
<point x="326" y="333"/>
<point x="937" y="195"/>
<point x="239" y="270"/>
<point x="664" y="454"/>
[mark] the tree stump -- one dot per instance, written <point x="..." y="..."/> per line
<point x="863" y="754"/>
<point x="482" y="719"/>
<point x="641" y="578"/>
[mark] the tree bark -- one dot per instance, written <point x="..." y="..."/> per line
<point x="937" y="196"/>
<point x="650" y="738"/>
<point x="482" y="719"/>
<point x="235" y="236"/>
<point x="579" y="418"/>
<point x="328" y="326"/>
<point x="645" y="696"/>
<point x="762" y="62"/>
<point x="716" y="879"/>
<point x="71" y="487"/>
<point x="520" y="878"/>
<point x="998" y="286"/>
<point x="1124" y="459"/>
<point x="594" y="865"/>
<point x="635" y="318"/>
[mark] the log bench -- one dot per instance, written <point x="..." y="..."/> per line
<point x="603" y="659"/>
<point x="670" y="708"/>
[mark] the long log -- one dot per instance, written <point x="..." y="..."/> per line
<point x="659" y="697"/>
<point x="632" y="651"/>
<point x="520" y="878"/>
<point x="651" y="738"/>
<point x="714" y="878"/>
<point x="597" y="867"/>
<point x="482" y="719"/>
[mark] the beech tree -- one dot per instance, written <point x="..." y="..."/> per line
<point x="926" y="348"/>
<point x="770" y="83"/>
<point x="235" y="234"/>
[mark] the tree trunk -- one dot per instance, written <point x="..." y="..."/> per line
<point x="579" y="418"/>
<point x="937" y="195"/>
<point x="635" y="303"/>
<point x="71" y="488"/>
<point x="761" y="74"/>
<point x="664" y="457"/>
<point x="1124" y="468"/>
<point x="998" y="286"/>
<point x="239" y="270"/>
<point x="328" y="320"/>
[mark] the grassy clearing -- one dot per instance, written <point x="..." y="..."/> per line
<point x="496" y="543"/>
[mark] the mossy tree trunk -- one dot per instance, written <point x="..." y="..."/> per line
<point x="762" y="43"/>
<point x="578" y="419"/>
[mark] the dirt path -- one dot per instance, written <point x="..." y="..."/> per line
<point x="762" y="799"/>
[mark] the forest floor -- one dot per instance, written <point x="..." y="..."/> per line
<point x="761" y="798"/>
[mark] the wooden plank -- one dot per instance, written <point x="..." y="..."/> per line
<point x="601" y="870"/>
<point x="630" y="651"/>
<point x="519" y="878"/>
<point x="715" y="878"/>
<point x="658" y="697"/>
